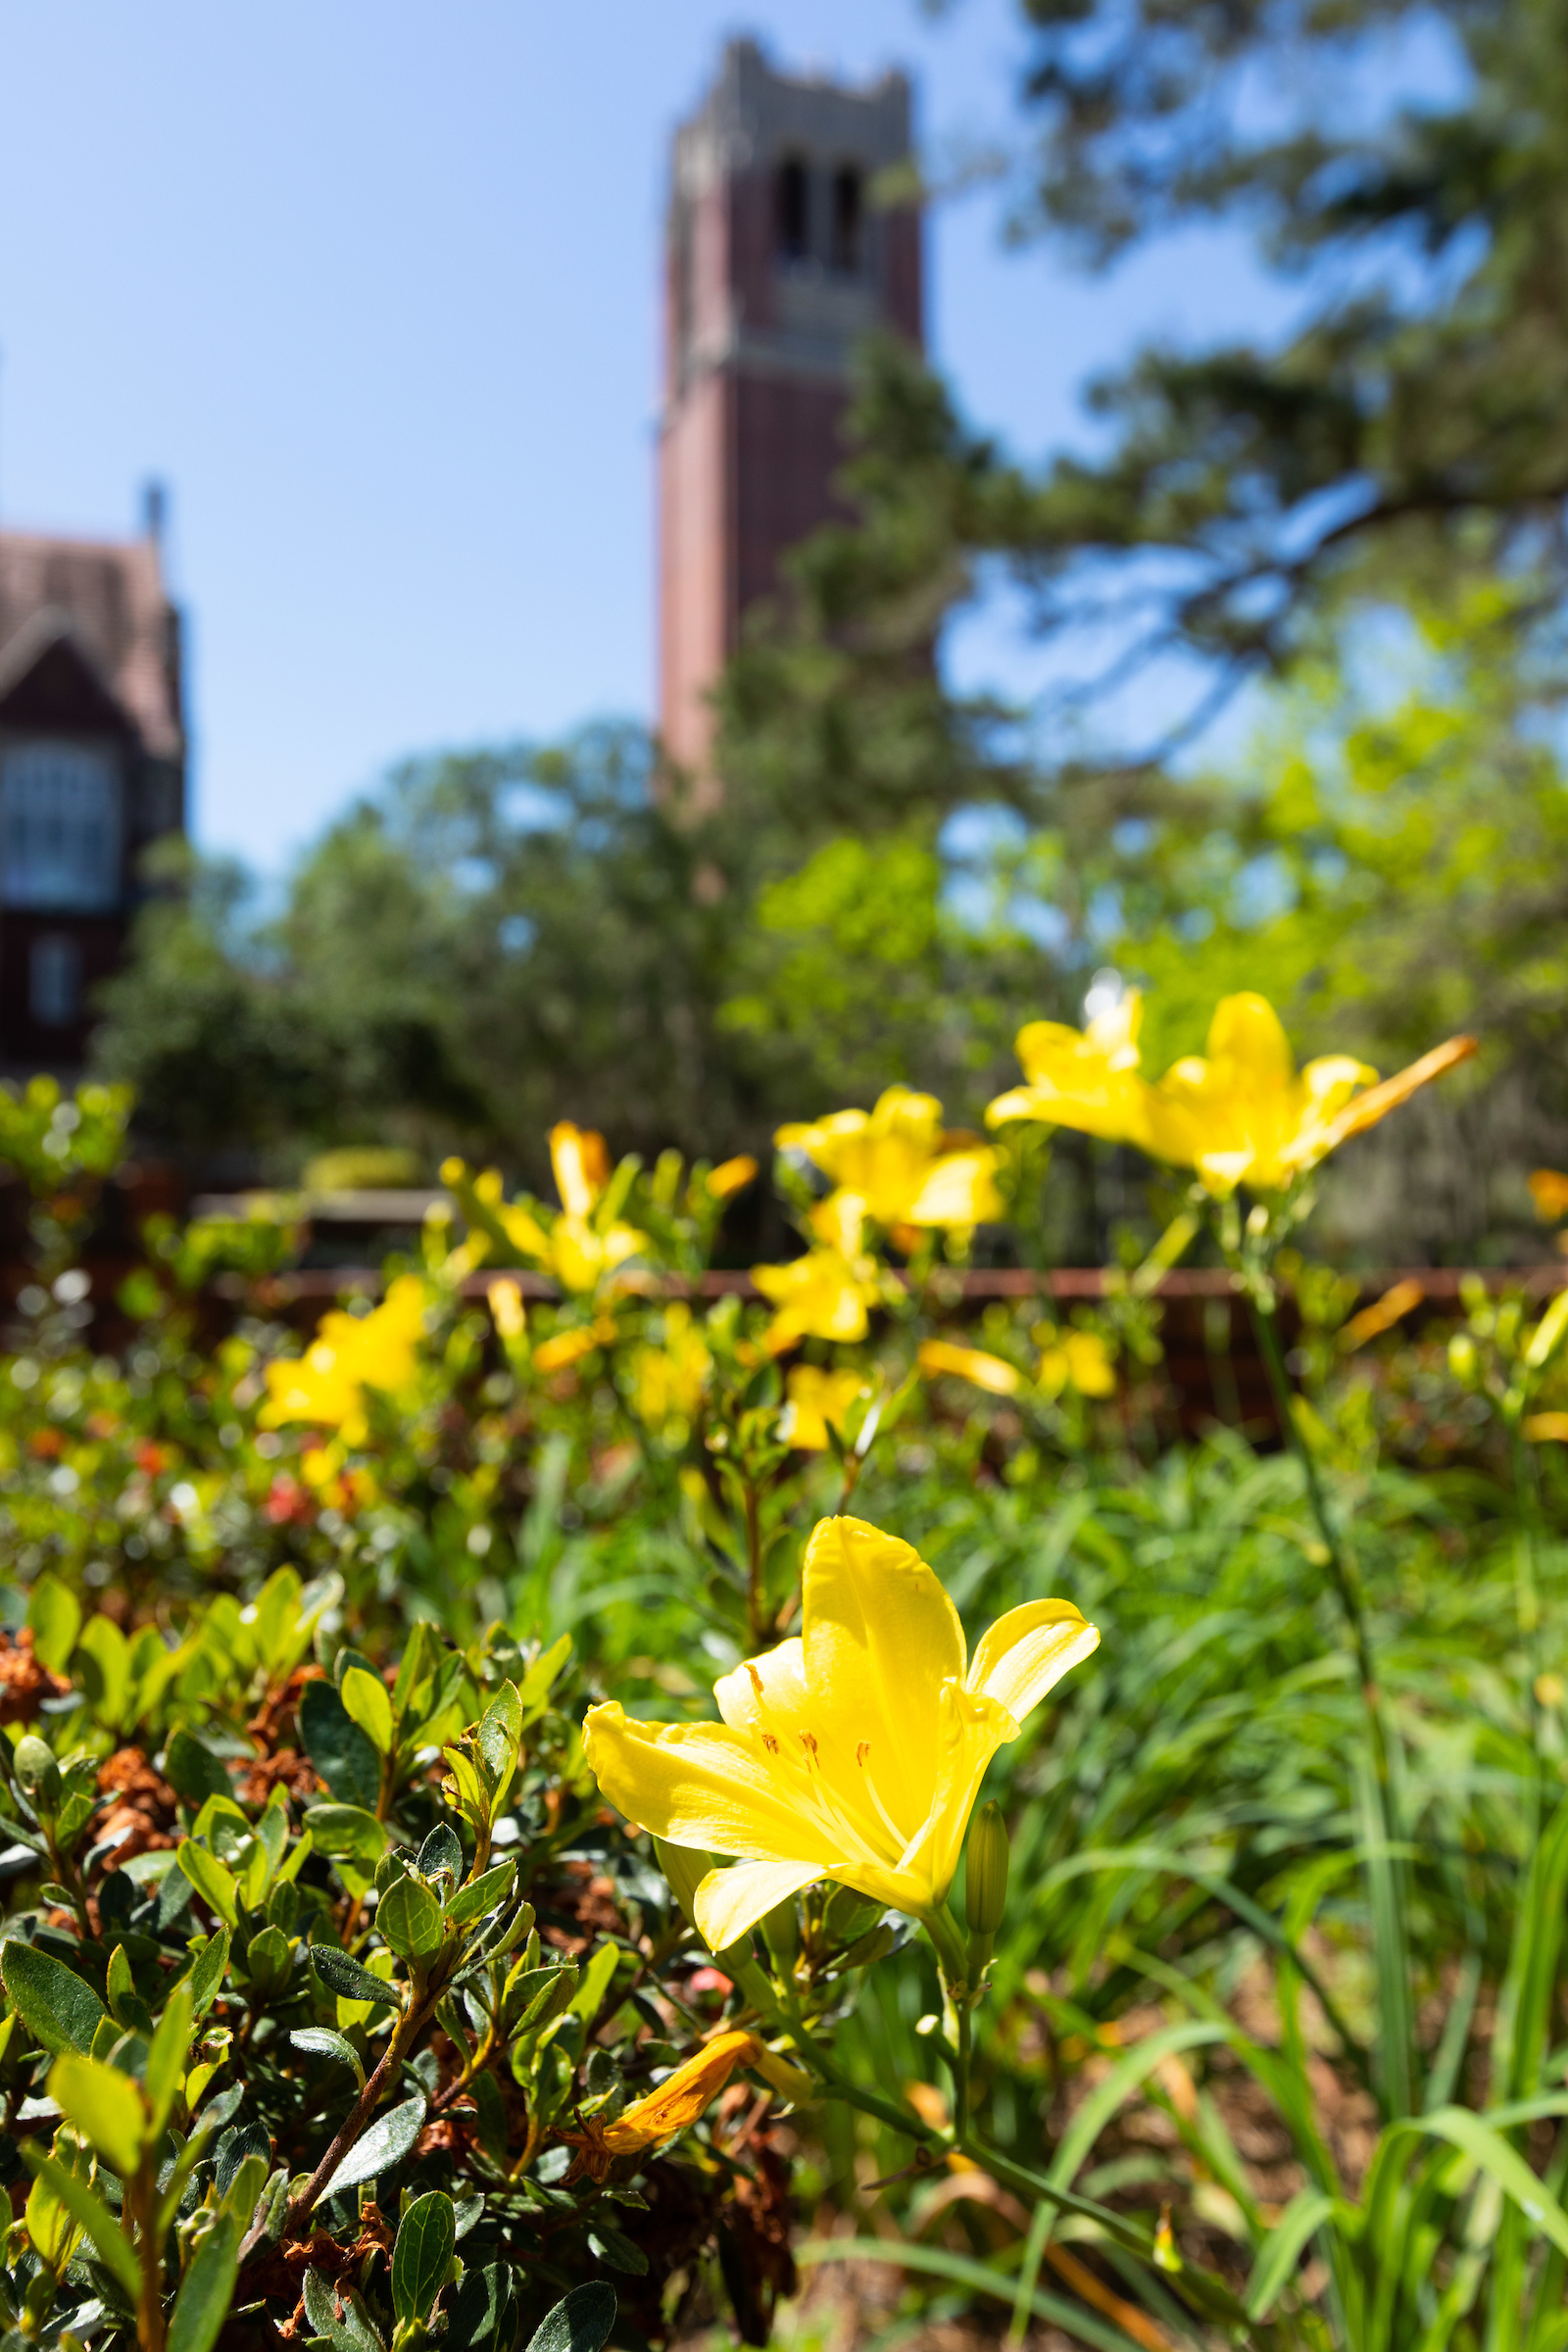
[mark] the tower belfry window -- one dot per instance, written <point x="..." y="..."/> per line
<point x="848" y="221"/>
<point x="793" y="203"/>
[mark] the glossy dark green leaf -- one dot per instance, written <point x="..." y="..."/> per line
<point x="426" y="2236"/>
<point x="580" y="2321"/>
<point x="385" y="2144"/>
<point x="342" y="1754"/>
<point x="346" y="1977"/>
<point x="192" y="1768"/>
<point x="59" y="2010"/>
<point x="410" y="1918"/>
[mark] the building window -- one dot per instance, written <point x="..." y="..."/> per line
<point x="59" y="828"/>
<point x="848" y="226"/>
<point x="53" y="980"/>
<point x="794" y="210"/>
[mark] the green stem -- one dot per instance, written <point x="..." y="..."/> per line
<point x="1346" y="1584"/>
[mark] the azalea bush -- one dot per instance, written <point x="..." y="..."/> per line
<point x="522" y="1792"/>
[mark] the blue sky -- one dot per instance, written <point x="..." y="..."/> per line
<point x="373" y="288"/>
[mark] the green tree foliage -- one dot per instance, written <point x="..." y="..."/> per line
<point x="1405" y="165"/>
<point x="501" y="940"/>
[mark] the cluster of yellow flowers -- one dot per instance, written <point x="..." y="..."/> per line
<point x="1242" y="1113"/>
<point x="350" y="1353"/>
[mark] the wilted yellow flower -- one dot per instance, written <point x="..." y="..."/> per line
<point x="1073" y="1359"/>
<point x="991" y="1372"/>
<point x="900" y="1162"/>
<point x="668" y="1382"/>
<point x="349" y="1354"/>
<point x="1242" y="1113"/>
<point x="852" y="1753"/>
<point x="816" y="1401"/>
<point x="677" y="2101"/>
<point x="824" y="1294"/>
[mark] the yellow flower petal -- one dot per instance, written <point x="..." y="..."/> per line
<point x="883" y="1637"/>
<point x="731" y="1902"/>
<point x="683" y="2095"/>
<point x="700" y="1785"/>
<point x="969" y="1363"/>
<point x="1027" y="1652"/>
<point x="581" y="1166"/>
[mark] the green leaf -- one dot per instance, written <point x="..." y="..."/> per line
<point x="344" y="1757"/>
<point x="1074" y="2321"/>
<point x="478" y="2308"/>
<point x="356" y="2331"/>
<point x="55" y="1616"/>
<point x="209" y="1968"/>
<point x="167" y="2057"/>
<point x="595" y="1982"/>
<point x="482" y="1894"/>
<point x="278" y="1610"/>
<point x="535" y="1689"/>
<point x="105" y="2106"/>
<point x="1090" y="2118"/>
<point x="103" y="1656"/>
<point x="268" y="1960"/>
<point x="85" y="2206"/>
<point x="428" y="2235"/>
<point x="270" y="1834"/>
<point x="367" y="1701"/>
<point x="410" y="1667"/>
<point x="213" y="1879"/>
<point x="207" y="2289"/>
<point x="579" y="2323"/>
<point x="348" y="1833"/>
<point x="192" y="1768"/>
<point x="58" y="2009"/>
<point x="319" y="2041"/>
<point x="347" y="1978"/>
<point x="1486" y="2147"/>
<point x="410" y="1918"/>
<point x="614" y="2247"/>
<point x="385" y="2144"/>
<point x="1281" y="2250"/>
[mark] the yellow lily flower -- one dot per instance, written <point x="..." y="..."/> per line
<point x="901" y="1163"/>
<point x="816" y="1401"/>
<point x="991" y="1372"/>
<point x="824" y="1294"/>
<point x="1073" y="1359"/>
<point x="577" y="1249"/>
<point x="1086" y="1078"/>
<point x="670" y="1381"/>
<point x="852" y="1753"/>
<point x="1242" y="1113"/>
<point x="349" y="1354"/>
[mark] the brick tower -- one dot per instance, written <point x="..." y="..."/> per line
<point x="778" y="261"/>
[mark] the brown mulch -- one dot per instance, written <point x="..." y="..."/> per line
<point x="26" y="1682"/>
